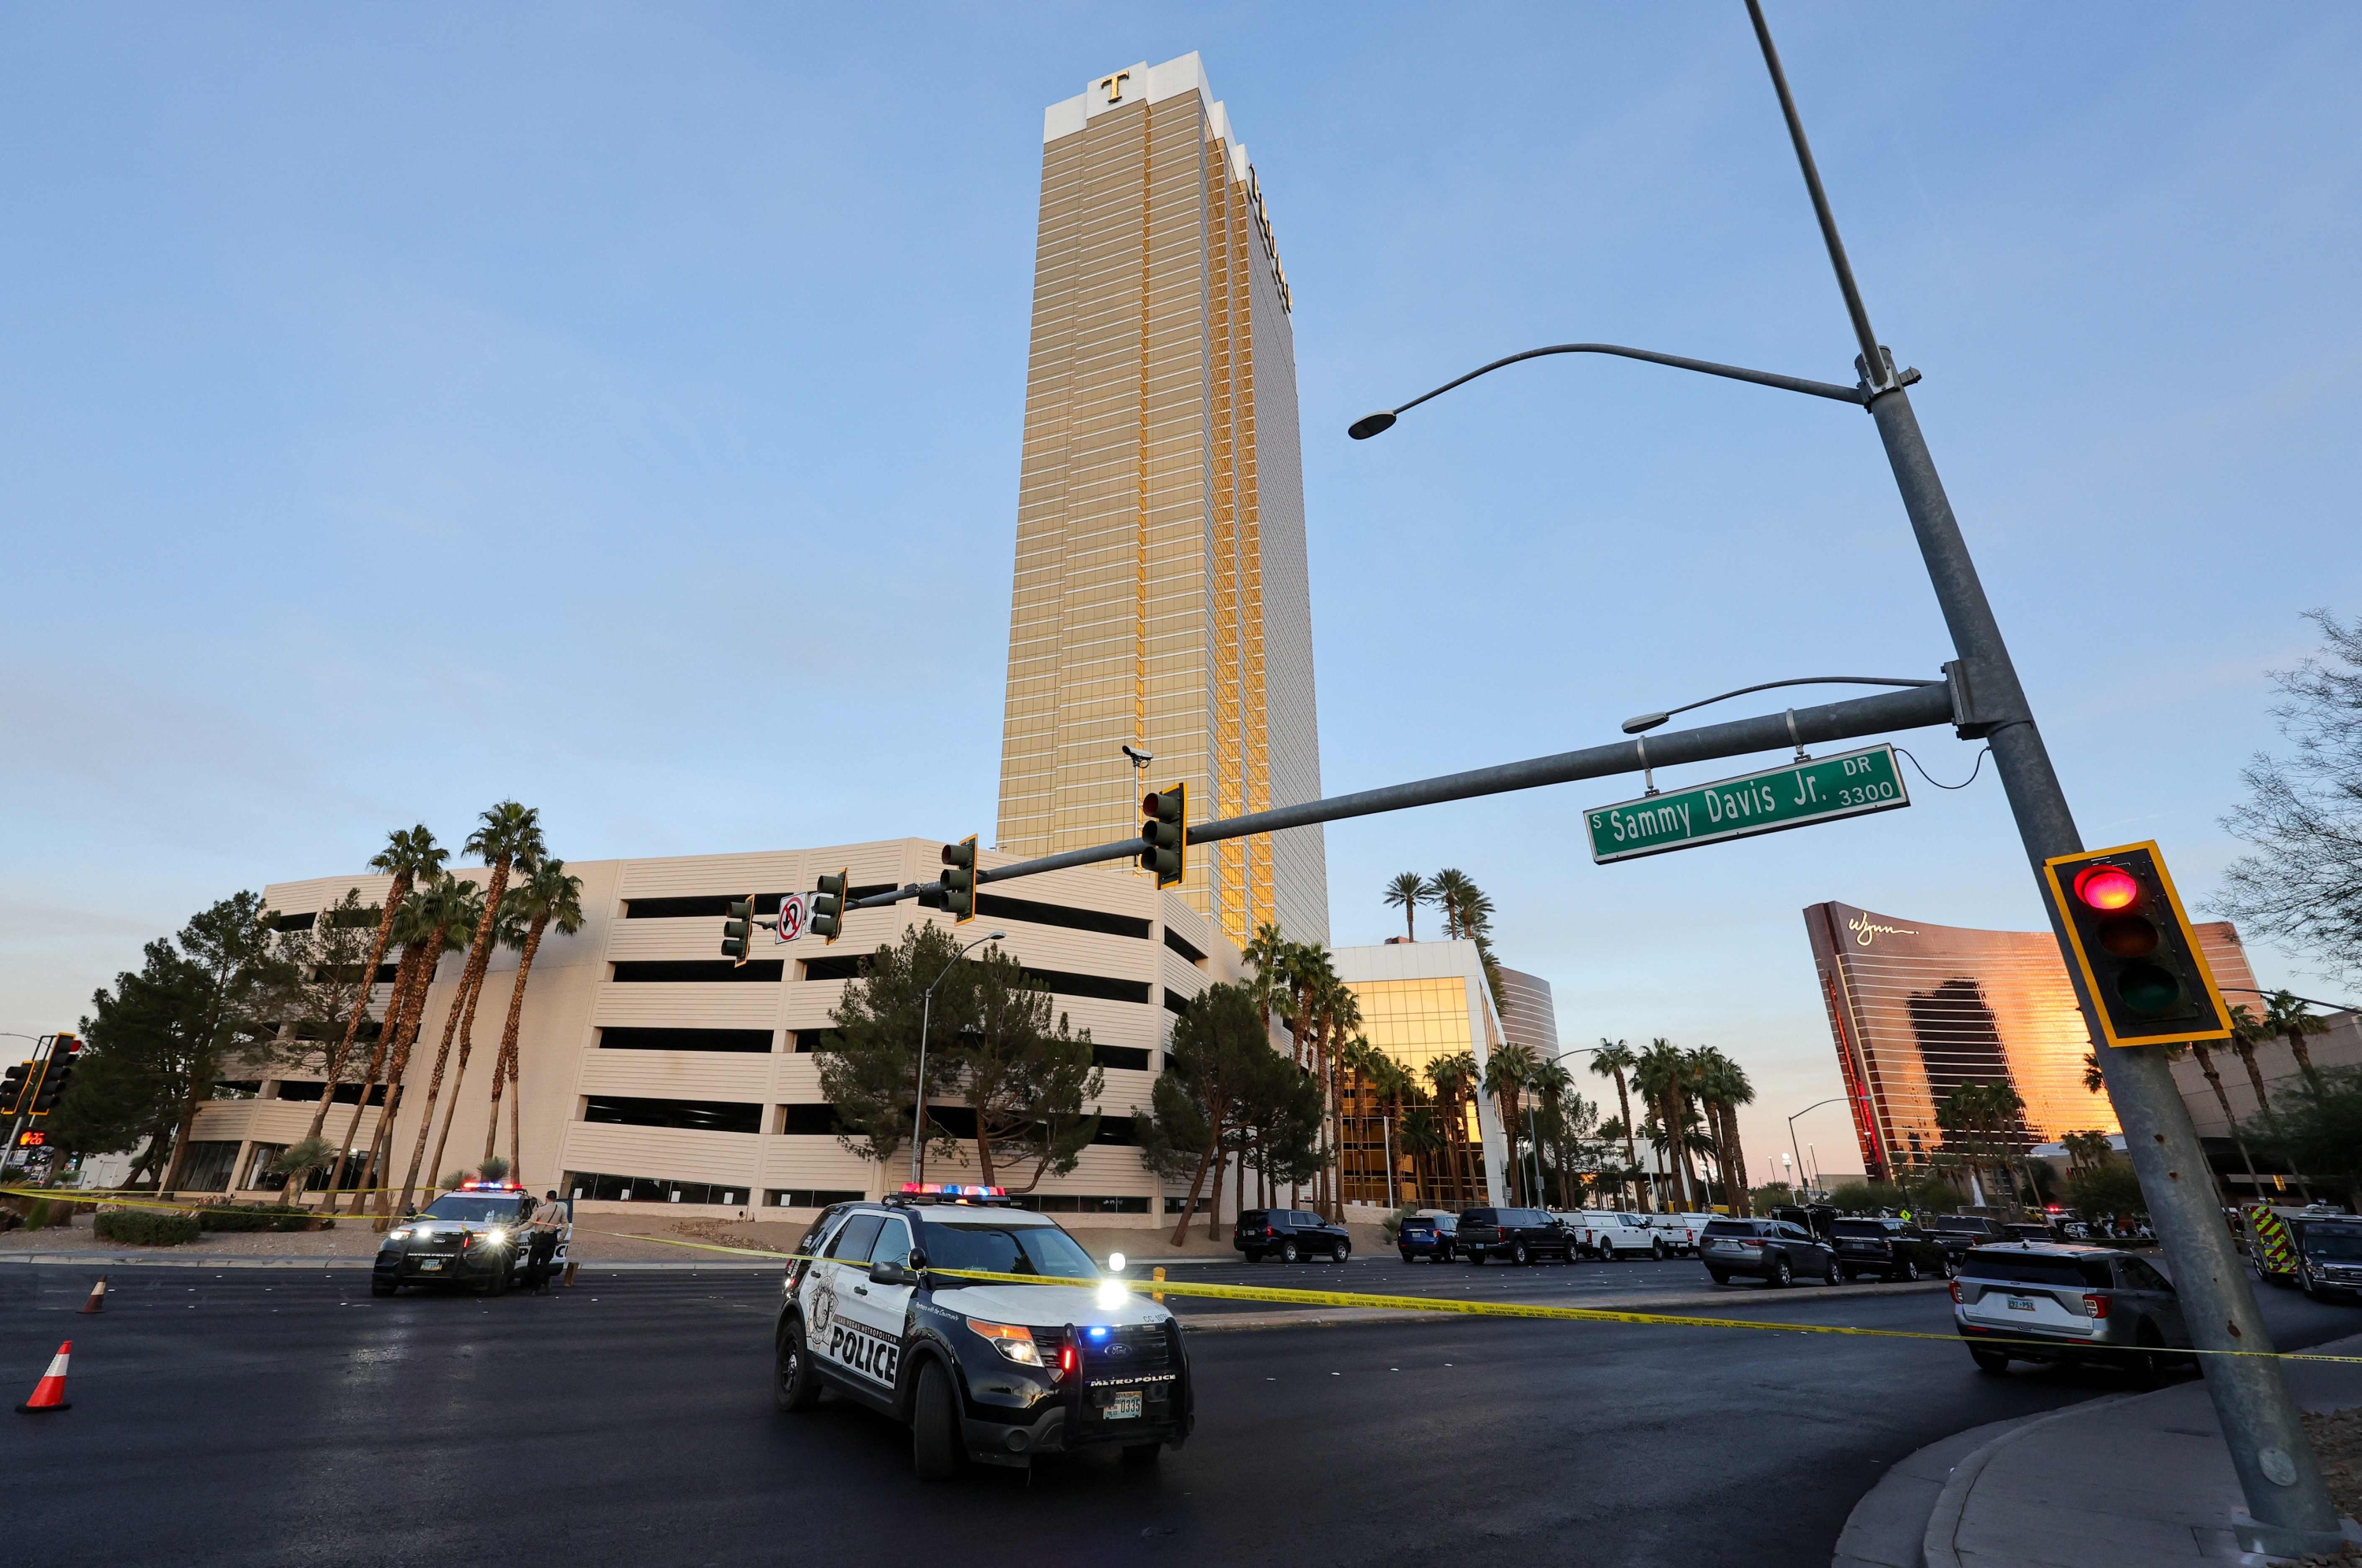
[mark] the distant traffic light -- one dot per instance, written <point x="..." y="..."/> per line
<point x="2140" y="957"/>
<point x="12" y="1087"/>
<point x="55" y="1075"/>
<point x="828" y="905"/>
<point x="959" y="880"/>
<point x="738" y="930"/>
<point x="1165" y="831"/>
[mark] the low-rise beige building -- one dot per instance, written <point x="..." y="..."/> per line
<point x="652" y="1069"/>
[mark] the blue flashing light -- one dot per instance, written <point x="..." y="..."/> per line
<point x="1098" y="1334"/>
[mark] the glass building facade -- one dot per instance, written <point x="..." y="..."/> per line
<point x="1916" y="1010"/>
<point x="1419" y="1001"/>
<point x="1161" y="597"/>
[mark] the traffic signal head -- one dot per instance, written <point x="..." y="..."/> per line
<point x="2135" y="947"/>
<point x="1165" y="831"/>
<point x="828" y="906"/>
<point x="12" y="1087"/>
<point x="959" y="880"/>
<point x="738" y="929"/>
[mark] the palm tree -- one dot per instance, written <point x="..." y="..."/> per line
<point x="2292" y="1020"/>
<point x="1723" y="1087"/>
<point x="549" y="896"/>
<point x="1553" y="1086"/>
<point x="1452" y="1077"/>
<point x="2223" y="1099"/>
<point x="1660" y="1076"/>
<point x="1612" y="1062"/>
<point x="1421" y="1137"/>
<point x="1266" y="954"/>
<point x="469" y="914"/>
<point x="443" y="910"/>
<point x="409" y="855"/>
<point x="507" y="837"/>
<point x="2245" y="1029"/>
<point x="1505" y="1073"/>
<point x="424" y="941"/>
<point x="1340" y="1025"/>
<point x="1406" y="893"/>
<point x="1454" y="893"/>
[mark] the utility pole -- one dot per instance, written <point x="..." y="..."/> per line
<point x="2289" y="1508"/>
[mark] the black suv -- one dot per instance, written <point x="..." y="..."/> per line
<point x="1777" y="1251"/>
<point x="1290" y="1236"/>
<point x="882" y="1306"/>
<point x="1521" y="1235"/>
<point x="1894" y="1248"/>
<point x="1959" y="1233"/>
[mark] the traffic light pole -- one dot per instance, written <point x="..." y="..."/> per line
<point x="2286" y="1500"/>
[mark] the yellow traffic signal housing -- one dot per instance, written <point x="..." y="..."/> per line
<point x="1164" y="830"/>
<point x="959" y="880"/>
<point x="12" y="1087"/>
<point x="828" y="905"/>
<point x="738" y="930"/>
<point x="2135" y="947"/>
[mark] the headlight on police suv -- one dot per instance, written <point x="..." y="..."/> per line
<point x="1013" y="1342"/>
<point x="495" y="1237"/>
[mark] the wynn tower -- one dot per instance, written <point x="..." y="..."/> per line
<point x="1162" y="599"/>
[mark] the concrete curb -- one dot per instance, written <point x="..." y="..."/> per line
<point x="1345" y="1316"/>
<point x="1936" y="1543"/>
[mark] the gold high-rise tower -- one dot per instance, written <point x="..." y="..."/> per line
<point x="1162" y="598"/>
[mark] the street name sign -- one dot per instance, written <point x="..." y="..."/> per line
<point x="1795" y="795"/>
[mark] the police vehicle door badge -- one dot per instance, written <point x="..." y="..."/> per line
<point x="821" y="1309"/>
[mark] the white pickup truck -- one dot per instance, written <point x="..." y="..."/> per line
<point x="1611" y="1233"/>
<point x="1681" y="1231"/>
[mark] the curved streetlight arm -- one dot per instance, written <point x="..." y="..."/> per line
<point x="1370" y="424"/>
<point x="1642" y="722"/>
<point x="1799" y="1154"/>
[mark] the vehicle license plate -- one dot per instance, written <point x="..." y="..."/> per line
<point x="2020" y="1304"/>
<point x="1121" y="1406"/>
<point x="430" y="1263"/>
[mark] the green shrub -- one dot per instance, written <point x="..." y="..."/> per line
<point x="145" y="1227"/>
<point x="251" y="1217"/>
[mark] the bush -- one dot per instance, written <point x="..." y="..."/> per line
<point x="2107" y="1188"/>
<point x="145" y="1227"/>
<point x="244" y="1217"/>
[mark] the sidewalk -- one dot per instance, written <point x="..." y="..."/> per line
<point x="2123" y="1481"/>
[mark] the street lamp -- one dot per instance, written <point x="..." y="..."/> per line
<point x="2289" y="1512"/>
<point x="1806" y="1111"/>
<point x="926" y="1013"/>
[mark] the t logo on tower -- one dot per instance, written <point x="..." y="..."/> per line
<point x="1161" y="595"/>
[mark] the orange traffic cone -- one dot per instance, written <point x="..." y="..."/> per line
<point x="97" y="1302"/>
<point x="49" y="1393"/>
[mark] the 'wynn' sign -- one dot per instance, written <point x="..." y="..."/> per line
<point x="1819" y="790"/>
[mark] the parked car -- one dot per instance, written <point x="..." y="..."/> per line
<point x="1959" y="1233"/>
<point x="1681" y="1231"/>
<point x="1428" y="1236"/>
<point x="1817" y="1218"/>
<point x="2032" y="1302"/>
<point x="1609" y="1234"/>
<point x="2032" y="1231"/>
<point x="1517" y="1235"/>
<point x="1777" y="1251"/>
<point x="1290" y="1235"/>
<point x="1891" y="1249"/>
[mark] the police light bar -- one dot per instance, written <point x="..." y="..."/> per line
<point x="490" y="1187"/>
<point x="952" y="1190"/>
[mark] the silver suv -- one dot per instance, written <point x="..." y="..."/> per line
<point x="2027" y="1301"/>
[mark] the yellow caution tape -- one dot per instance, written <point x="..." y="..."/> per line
<point x="96" y="1199"/>
<point x="1278" y="1296"/>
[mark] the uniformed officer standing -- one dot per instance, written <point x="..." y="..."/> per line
<point x="549" y="1221"/>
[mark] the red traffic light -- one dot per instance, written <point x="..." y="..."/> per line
<point x="2107" y="888"/>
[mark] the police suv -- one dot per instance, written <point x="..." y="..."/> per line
<point x="476" y="1234"/>
<point x="987" y="1371"/>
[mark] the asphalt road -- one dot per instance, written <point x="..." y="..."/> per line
<point x="275" y="1418"/>
<point x="1386" y="1275"/>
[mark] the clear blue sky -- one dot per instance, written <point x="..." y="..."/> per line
<point x="617" y="408"/>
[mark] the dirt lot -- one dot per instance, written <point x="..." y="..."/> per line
<point x="2337" y="1443"/>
